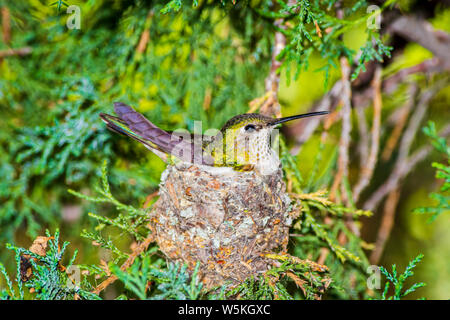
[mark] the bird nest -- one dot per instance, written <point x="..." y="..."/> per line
<point x="224" y="219"/>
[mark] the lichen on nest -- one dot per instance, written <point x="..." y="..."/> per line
<point x="224" y="219"/>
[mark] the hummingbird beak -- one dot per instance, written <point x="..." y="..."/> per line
<point x="299" y="116"/>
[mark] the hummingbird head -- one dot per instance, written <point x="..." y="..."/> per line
<point x="253" y="122"/>
<point x="247" y="138"/>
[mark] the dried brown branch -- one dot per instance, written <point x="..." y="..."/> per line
<point x="323" y="255"/>
<point x="272" y="106"/>
<point x="369" y="165"/>
<point x="145" y="36"/>
<point x="364" y="140"/>
<point x="387" y="223"/>
<point x="15" y="52"/>
<point x="303" y="130"/>
<point x="403" y="164"/>
<point x="421" y="31"/>
<point x="400" y="123"/>
<point x="436" y="41"/>
<point x="426" y="67"/>
<point x="344" y="143"/>
<point x="6" y="25"/>
<point x="361" y="98"/>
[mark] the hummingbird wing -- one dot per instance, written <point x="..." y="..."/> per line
<point x="133" y="124"/>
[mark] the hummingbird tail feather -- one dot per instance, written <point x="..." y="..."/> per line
<point x="138" y="125"/>
<point x="133" y="124"/>
<point x="116" y="124"/>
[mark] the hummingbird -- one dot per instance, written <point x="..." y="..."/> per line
<point x="243" y="143"/>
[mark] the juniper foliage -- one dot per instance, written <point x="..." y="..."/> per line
<point x="442" y="198"/>
<point x="202" y="60"/>
<point x="48" y="279"/>
<point x="63" y="140"/>
<point x="172" y="282"/>
<point x="397" y="281"/>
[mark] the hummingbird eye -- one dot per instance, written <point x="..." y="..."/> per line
<point x="250" y="128"/>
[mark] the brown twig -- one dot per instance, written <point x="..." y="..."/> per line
<point x="399" y="124"/>
<point x="271" y="105"/>
<point x="421" y="31"/>
<point x="6" y="25"/>
<point x="145" y="36"/>
<point x="323" y="255"/>
<point x="403" y="164"/>
<point x="364" y="140"/>
<point x="410" y="28"/>
<point x="302" y="130"/>
<point x="344" y="143"/>
<point x="387" y="223"/>
<point x="368" y="165"/>
<point x="272" y="83"/>
<point x="426" y="67"/>
<point x="15" y="52"/>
